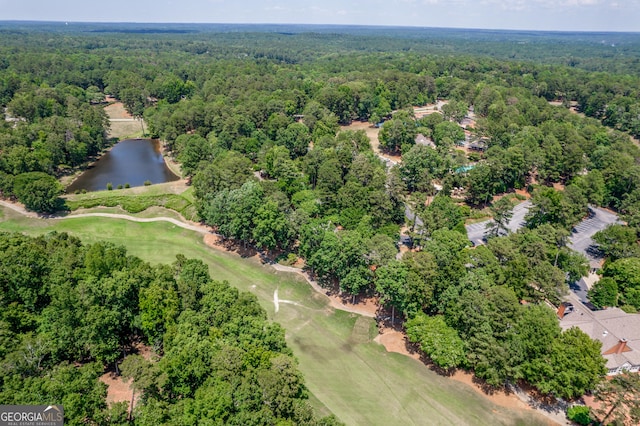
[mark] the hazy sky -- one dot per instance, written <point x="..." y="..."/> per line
<point x="581" y="15"/>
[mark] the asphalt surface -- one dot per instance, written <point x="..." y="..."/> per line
<point x="410" y="215"/>
<point x="580" y="290"/>
<point x="477" y="231"/>
<point x="581" y="239"/>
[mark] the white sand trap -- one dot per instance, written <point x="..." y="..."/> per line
<point x="277" y="302"/>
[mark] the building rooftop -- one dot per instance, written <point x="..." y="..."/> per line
<point x="423" y="140"/>
<point x="618" y="331"/>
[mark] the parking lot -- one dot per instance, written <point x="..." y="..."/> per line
<point x="581" y="238"/>
<point x="477" y="231"/>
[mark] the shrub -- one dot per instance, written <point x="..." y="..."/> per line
<point x="439" y="341"/>
<point x="474" y="156"/>
<point x="579" y="414"/>
<point x="38" y="191"/>
<point x="120" y="186"/>
<point x="109" y="186"/>
<point x="291" y="259"/>
<point x="126" y="185"/>
<point x="629" y="309"/>
<point x="147" y="182"/>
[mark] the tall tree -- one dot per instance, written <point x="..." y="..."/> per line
<point x="440" y="342"/>
<point x="398" y="132"/>
<point x="391" y="284"/>
<point x="38" y="191"/>
<point x="502" y="211"/>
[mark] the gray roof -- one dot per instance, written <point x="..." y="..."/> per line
<point x="609" y="326"/>
<point x="423" y="140"/>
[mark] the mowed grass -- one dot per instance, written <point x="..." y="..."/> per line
<point x="135" y="200"/>
<point x="347" y="373"/>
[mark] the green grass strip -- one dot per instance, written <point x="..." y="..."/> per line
<point x="138" y="203"/>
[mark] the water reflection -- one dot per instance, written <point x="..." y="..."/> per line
<point x="131" y="161"/>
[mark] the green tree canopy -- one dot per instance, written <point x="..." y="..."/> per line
<point x="440" y="343"/>
<point x="38" y="191"/>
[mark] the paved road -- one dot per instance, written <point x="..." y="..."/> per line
<point x="581" y="238"/>
<point x="410" y="215"/>
<point x="477" y="231"/>
<point x="581" y="241"/>
<point x="580" y="290"/>
<point x="186" y="225"/>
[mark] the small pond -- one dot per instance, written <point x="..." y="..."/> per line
<point x="131" y="161"/>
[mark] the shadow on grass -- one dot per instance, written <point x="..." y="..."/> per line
<point x="242" y="249"/>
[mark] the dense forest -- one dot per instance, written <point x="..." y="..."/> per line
<point x="70" y="310"/>
<point x="254" y="119"/>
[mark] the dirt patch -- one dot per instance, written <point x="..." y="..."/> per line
<point x="116" y="110"/>
<point x="122" y="124"/>
<point x="498" y="397"/>
<point x="365" y="306"/>
<point x="372" y="134"/>
<point x="118" y="389"/>
<point x="395" y="341"/>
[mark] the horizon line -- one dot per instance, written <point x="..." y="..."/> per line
<point x="381" y="26"/>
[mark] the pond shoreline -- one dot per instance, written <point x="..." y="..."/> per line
<point x="134" y="161"/>
<point x="68" y="180"/>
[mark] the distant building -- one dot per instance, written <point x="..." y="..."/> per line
<point x="467" y="122"/>
<point x="618" y="331"/>
<point x="479" y="145"/>
<point x="423" y="140"/>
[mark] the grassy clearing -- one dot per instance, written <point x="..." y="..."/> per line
<point x="125" y="130"/>
<point x="136" y="200"/>
<point x="138" y="203"/>
<point x="345" y="371"/>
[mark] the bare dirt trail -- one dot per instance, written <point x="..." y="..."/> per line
<point x="17" y="207"/>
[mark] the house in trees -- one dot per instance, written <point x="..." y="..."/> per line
<point x="423" y="140"/>
<point x="479" y="145"/>
<point x="618" y="331"/>
<point x="467" y="123"/>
